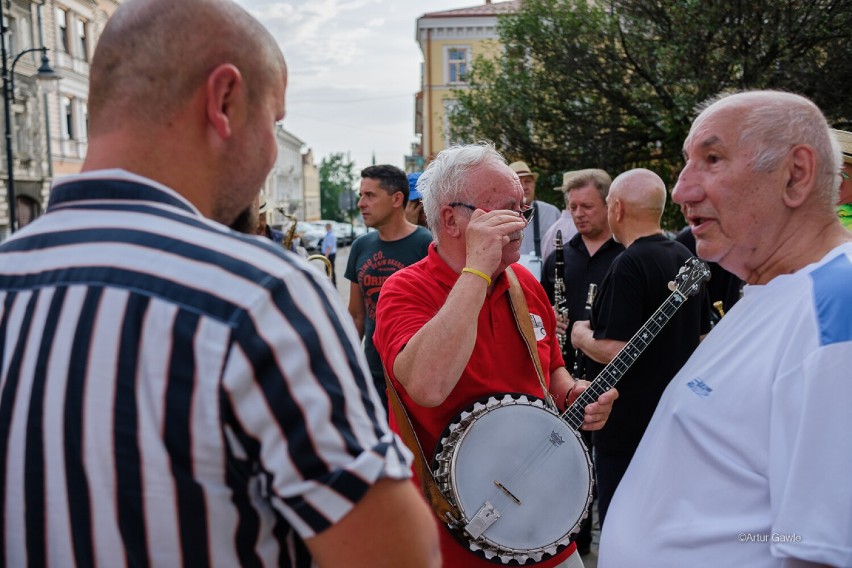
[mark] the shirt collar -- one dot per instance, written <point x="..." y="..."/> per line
<point x="447" y="276"/>
<point x="115" y="184"/>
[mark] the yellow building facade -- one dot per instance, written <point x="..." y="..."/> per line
<point x="449" y="42"/>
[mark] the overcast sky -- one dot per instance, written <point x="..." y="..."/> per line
<point x="354" y="68"/>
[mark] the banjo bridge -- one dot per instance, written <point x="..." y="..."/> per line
<point x="507" y="492"/>
<point x="484" y="518"/>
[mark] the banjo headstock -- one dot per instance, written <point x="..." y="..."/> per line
<point x="690" y="276"/>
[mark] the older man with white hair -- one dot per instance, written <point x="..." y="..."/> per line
<point x="746" y="461"/>
<point x="445" y="326"/>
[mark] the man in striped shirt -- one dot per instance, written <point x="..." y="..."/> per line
<point x="174" y="393"/>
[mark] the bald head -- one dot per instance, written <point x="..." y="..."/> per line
<point x="635" y="205"/>
<point x="642" y="192"/>
<point x="154" y="54"/>
<point x="769" y="123"/>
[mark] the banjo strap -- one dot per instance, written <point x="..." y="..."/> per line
<point x="524" y="323"/>
<point x="440" y="505"/>
<point x="445" y="510"/>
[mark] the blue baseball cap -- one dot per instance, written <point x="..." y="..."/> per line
<point x="412" y="186"/>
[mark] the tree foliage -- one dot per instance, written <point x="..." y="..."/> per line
<point x="615" y="86"/>
<point x="337" y="177"/>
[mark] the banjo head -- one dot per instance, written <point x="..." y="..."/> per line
<point x="519" y="475"/>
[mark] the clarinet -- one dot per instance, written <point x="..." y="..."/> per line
<point x="559" y="300"/>
<point x="579" y="356"/>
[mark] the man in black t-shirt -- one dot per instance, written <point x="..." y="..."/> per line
<point x="587" y="256"/>
<point x="635" y="286"/>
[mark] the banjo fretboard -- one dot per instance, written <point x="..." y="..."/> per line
<point x="689" y="278"/>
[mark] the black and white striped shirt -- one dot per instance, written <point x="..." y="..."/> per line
<point x="173" y="392"/>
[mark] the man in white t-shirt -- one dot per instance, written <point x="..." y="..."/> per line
<point x="746" y="461"/>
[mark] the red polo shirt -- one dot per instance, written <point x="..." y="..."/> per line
<point x="500" y="362"/>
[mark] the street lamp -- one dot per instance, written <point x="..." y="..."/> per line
<point x="45" y="72"/>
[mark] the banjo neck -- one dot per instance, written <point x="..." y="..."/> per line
<point x="685" y="285"/>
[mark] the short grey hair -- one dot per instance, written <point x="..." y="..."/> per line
<point x="598" y="178"/>
<point x="447" y="180"/>
<point x="778" y="120"/>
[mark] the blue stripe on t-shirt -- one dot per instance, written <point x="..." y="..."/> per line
<point x="833" y="300"/>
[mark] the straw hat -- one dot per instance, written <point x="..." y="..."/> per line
<point x="522" y="169"/>
<point x="845" y="140"/>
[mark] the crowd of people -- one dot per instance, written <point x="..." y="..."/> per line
<point x="176" y="388"/>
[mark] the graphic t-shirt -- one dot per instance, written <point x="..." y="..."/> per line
<point x="371" y="262"/>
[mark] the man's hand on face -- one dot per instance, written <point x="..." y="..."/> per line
<point x="487" y="234"/>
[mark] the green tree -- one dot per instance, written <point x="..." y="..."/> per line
<point x="337" y="178"/>
<point x="615" y="85"/>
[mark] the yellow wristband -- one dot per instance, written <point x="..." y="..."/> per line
<point x="478" y="273"/>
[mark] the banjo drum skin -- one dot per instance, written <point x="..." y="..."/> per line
<point x="518" y="474"/>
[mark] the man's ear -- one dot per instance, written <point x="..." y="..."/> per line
<point x="618" y="208"/>
<point x="398" y="199"/>
<point x="449" y="221"/>
<point x="225" y="95"/>
<point x="801" y="172"/>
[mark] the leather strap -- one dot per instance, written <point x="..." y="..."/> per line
<point x="524" y="323"/>
<point x="442" y="507"/>
<point x="445" y="510"/>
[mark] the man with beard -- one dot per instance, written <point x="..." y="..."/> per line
<point x="174" y="392"/>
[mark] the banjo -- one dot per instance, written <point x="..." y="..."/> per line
<point x="523" y="506"/>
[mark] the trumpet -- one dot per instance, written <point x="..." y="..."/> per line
<point x="719" y="307"/>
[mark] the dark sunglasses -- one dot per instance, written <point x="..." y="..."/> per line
<point x="526" y="211"/>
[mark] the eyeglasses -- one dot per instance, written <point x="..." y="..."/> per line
<point x="526" y="211"/>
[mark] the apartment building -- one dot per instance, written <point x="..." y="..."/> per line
<point x="449" y="40"/>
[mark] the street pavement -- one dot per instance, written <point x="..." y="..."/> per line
<point x="339" y="269"/>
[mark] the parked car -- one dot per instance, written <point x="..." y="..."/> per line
<point x="310" y="236"/>
<point x="342" y="231"/>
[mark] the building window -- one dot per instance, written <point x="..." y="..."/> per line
<point x="62" y="24"/>
<point x="82" y="26"/>
<point x="84" y="125"/>
<point x="11" y="34"/>
<point x="457" y="63"/>
<point x="68" y="121"/>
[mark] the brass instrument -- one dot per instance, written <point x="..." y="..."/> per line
<point x="559" y="300"/>
<point x="579" y="356"/>
<point x="321" y="257"/>
<point x="718" y="306"/>
<point x="287" y="243"/>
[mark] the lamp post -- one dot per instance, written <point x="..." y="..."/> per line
<point x="45" y="72"/>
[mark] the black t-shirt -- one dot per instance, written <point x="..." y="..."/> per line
<point x="635" y="286"/>
<point x="580" y="271"/>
